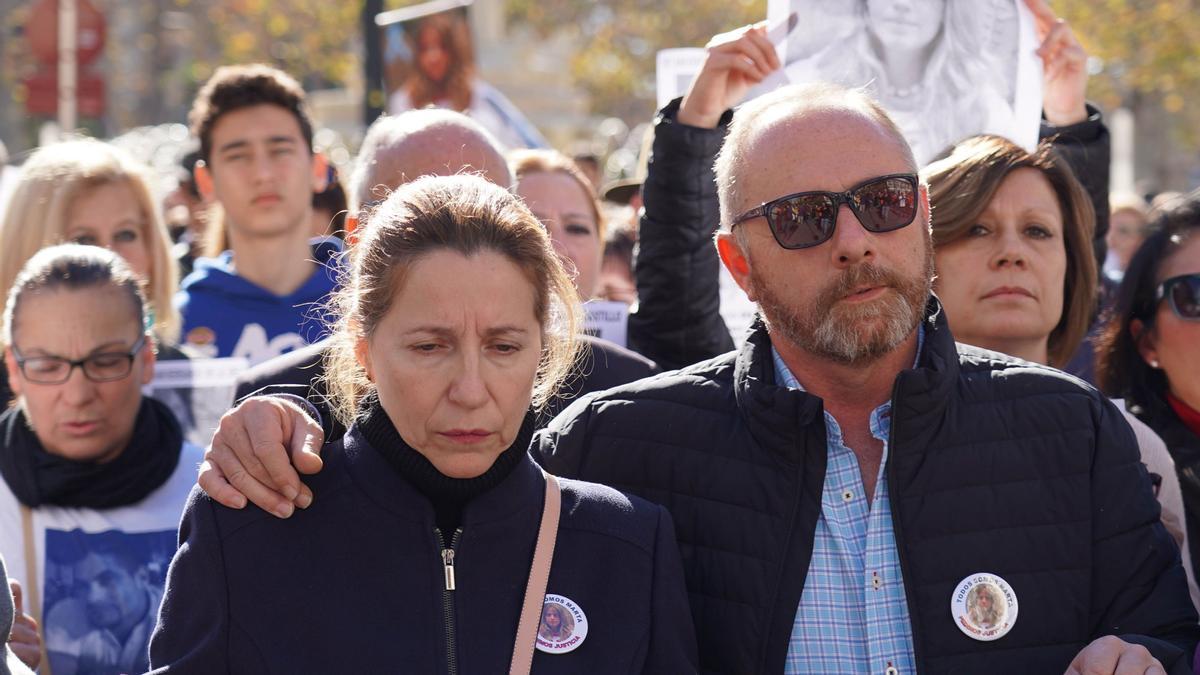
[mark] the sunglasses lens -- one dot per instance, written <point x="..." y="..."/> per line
<point x="803" y="221"/>
<point x="1185" y="297"/>
<point x="886" y="204"/>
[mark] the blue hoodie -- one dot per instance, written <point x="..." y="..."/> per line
<point x="225" y="315"/>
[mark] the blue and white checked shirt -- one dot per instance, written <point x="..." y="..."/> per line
<point x="853" y="616"/>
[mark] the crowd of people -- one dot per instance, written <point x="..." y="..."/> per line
<point x="961" y="436"/>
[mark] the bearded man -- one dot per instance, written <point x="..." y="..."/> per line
<point x="840" y="482"/>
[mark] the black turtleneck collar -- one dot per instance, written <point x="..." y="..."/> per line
<point x="448" y="495"/>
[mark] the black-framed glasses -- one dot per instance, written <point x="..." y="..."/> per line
<point x="1183" y="293"/>
<point x="102" y="367"/>
<point x="807" y="219"/>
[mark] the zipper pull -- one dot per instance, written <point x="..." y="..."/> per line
<point x="448" y="567"/>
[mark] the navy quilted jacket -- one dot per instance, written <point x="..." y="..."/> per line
<point x="995" y="465"/>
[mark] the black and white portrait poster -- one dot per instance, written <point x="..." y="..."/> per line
<point x="944" y="69"/>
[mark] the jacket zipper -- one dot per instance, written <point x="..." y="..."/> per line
<point x="447" y="556"/>
<point x="898" y="531"/>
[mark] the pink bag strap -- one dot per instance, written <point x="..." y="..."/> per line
<point x="539" y="576"/>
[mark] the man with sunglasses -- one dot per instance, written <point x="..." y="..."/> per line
<point x="842" y="481"/>
<point x="846" y="475"/>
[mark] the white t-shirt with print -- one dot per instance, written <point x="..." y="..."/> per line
<point x="100" y="572"/>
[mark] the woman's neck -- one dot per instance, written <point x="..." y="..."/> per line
<point x="270" y="262"/>
<point x="1187" y="411"/>
<point x="1034" y="350"/>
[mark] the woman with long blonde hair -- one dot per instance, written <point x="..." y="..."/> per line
<point x="89" y="192"/>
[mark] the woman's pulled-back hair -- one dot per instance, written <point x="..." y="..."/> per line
<point x="465" y="214"/>
<point x="72" y="267"/>
<point x="961" y="186"/>
<point x="1120" y="369"/>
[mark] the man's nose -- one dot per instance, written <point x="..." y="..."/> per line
<point x="851" y="243"/>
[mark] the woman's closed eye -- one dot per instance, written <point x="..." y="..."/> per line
<point x="427" y="347"/>
<point x="579" y="228"/>
<point x="506" y="348"/>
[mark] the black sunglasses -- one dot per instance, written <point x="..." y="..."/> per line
<point x="808" y="219"/>
<point x="1183" y="292"/>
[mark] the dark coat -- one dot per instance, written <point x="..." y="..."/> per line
<point x="601" y="365"/>
<point x="678" y="321"/>
<point x="995" y="465"/>
<point x="1184" y="446"/>
<point x="355" y="583"/>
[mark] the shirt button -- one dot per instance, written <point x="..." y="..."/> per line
<point x="876" y="581"/>
<point x="847" y="496"/>
<point x="891" y="670"/>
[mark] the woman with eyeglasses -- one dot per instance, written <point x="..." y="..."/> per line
<point x="1149" y="354"/>
<point x="95" y="475"/>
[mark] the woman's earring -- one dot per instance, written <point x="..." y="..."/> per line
<point x="1154" y="364"/>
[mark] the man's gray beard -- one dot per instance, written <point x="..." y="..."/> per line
<point x="851" y="334"/>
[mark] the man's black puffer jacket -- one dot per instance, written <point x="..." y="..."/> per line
<point x="678" y="321"/>
<point x="995" y="465"/>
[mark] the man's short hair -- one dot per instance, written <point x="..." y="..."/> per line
<point x="796" y="100"/>
<point x="235" y="87"/>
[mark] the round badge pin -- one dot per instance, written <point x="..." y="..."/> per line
<point x="563" y="627"/>
<point x="984" y="607"/>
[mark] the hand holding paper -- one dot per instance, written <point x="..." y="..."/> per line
<point x="1064" y="87"/>
<point x="736" y="61"/>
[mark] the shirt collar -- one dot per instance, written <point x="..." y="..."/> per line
<point x="787" y="380"/>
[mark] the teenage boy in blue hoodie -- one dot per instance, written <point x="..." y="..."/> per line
<point x="264" y="296"/>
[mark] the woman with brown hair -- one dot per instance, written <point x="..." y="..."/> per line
<point x="433" y="543"/>
<point x="563" y="199"/>
<point x="442" y="75"/>
<point x="1012" y="233"/>
<point x="1149" y="353"/>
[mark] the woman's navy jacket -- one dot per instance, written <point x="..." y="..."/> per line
<point x="356" y="583"/>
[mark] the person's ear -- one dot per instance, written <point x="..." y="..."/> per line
<point x="736" y="261"/>
<point x="1143" y="337"/>
<point x="362" y="352"/>
<point x="149" y="358"/>
<point x="320" y="176"/>
<point x="14" y="372"/>
<point x="204" y="181"/>
<point x="924" y="210"/>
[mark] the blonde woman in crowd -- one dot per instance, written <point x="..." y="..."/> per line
<point x="89" y="192"/>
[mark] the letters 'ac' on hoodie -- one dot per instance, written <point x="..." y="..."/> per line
<point x="226" y="315"/>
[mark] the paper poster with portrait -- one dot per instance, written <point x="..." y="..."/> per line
<point x="198" y="392"/>
<point x="101" y="598"/>
<point x="429" y="60"/>
<point x="944" y="69"/>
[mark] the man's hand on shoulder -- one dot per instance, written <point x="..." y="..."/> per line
<point x="1110" y="655"/>
<point x="256" y="453"/>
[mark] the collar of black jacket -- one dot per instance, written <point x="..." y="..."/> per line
<point x="772" y="412"/>
<point x="520" y="490"/>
